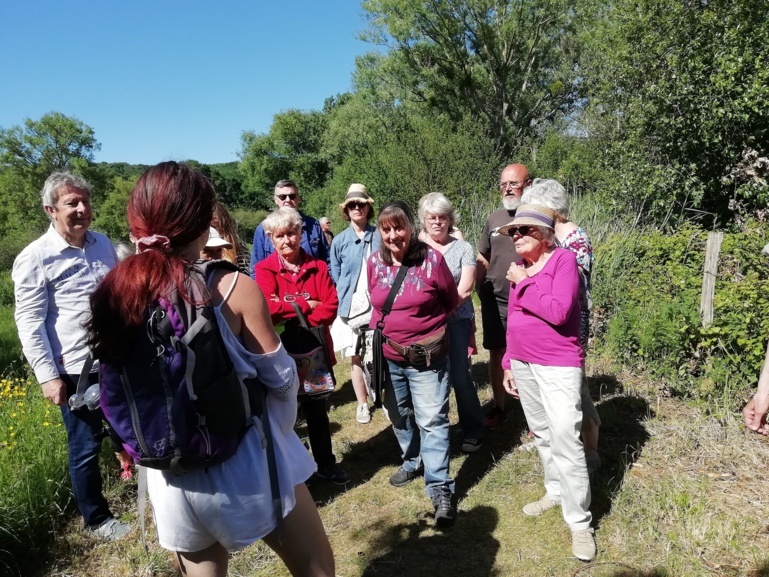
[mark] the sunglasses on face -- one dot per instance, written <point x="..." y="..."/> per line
<point x="523" y="230"/>
<point x="282" y="197"/>
<point x="360" y="205"/>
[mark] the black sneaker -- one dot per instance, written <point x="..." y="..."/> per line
<point x="471" y="445"/>
<point x="494" y="418"/>
<point x="445" y="510"/>
<point x="333" y="473"/>
<point x="403" y="477"/>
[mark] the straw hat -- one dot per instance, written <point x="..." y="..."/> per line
<point x="531" y="214"/>
<point x="356" y="193"/>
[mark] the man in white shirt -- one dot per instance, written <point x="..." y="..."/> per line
<point x="53" y="279"/>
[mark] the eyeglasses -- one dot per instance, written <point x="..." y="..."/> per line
<point x="292" y="298"/>
<point x="512" y="184"/>
<point x="291" y="196"/>
<point x="359" y="205"/>
<point x="523" y="230"/>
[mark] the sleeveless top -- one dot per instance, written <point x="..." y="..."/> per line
<point x="231" y="503"/>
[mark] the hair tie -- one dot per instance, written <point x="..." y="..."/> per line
<point x="154" y="242"/>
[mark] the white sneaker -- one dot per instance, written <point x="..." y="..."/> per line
<point x="111" y="530"/>
<point x="362" y="415"/>
<point x="538" y="507"/>
<point x="583" y="544"/>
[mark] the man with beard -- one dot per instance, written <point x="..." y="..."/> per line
<point x="495" y="253"/>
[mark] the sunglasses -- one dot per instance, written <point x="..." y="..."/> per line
<point x="292" y="298"/>
<point x="291" y="196"/>
<point x="523" y="230"/>
<point x="354" y="204"/>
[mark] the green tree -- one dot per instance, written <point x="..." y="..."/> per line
<point x="291" y="149"/>
<point x="111" y="215"/>
<point x="29" y="154"/>
<point x="506" y="64"/>
<point x="677" y="94"/>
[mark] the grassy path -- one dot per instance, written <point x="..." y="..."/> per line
<point x="680" y="494"/>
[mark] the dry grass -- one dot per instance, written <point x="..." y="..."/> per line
<point x="680" y="494"/>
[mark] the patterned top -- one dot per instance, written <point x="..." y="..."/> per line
<point x="458" y="255"/>
<point x="424" y="302"/>
<point x="578" y="242"/>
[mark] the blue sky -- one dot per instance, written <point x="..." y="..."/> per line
<point x="170" y="80"/>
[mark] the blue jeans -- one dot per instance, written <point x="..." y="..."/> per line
<point x="468" y="405"/>
<point x="422" y="396"/>
<point x="85" y="431"/>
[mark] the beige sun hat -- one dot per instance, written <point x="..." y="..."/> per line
<point x="358" y="193"/>
<point x="531" y="214"/>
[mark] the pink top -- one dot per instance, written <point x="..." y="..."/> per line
<point x="424" y="303"/>
<point x="544" y="314"/>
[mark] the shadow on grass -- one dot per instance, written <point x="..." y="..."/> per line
<point x="623" y="435"/>
<point x="411" y="553"/>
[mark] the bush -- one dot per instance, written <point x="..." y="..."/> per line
<point x="247" y="221"/>
<point x="10" y="247"/>
<point x="646" y="295"/>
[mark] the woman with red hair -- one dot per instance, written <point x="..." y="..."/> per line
<point x="205" y="514"/>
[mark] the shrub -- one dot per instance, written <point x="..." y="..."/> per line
<point x="646" y="294"/>
<point x="247" y="221"/>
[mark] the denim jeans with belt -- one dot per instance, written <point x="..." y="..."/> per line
<point x="422" y="396"/>
<point x="468" y="405"/>
<point x="85" y="432"/>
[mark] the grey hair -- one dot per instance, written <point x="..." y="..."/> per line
<point x="59" y="180"/>
<point x="123" y="250"/>
<point x="436" y="203"/>
<point x="550" y="193"/>
<point x="284" y="218"/>
<point x="323" y="220"/>
<point x="286" y="183"/>
<point x="548" y="235"/>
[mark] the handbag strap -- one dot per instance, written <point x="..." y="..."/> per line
<point x="391" y="296"/>
<point x="300" y="316"/>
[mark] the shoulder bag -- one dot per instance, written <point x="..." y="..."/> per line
<point x="309" y="348"/>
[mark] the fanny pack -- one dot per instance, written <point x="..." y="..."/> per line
<point x="425" y="351"/>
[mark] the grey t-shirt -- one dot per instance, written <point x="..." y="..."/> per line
<point x="502" y="252"/>
<point x="460" y="254"/>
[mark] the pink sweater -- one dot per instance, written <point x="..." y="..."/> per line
<point x="543" y="316"/>
<point x="424" y="303"/>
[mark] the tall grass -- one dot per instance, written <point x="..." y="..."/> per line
<point x="33" y="460"/>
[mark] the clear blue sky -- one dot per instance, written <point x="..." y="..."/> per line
<point x="171" y="80"/>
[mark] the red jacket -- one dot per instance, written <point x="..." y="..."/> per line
<point x="312" y="282"/>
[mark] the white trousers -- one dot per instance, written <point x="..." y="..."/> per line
<point x="550" y="397"/>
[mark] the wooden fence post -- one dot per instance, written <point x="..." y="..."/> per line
<point x="709" y="276"/>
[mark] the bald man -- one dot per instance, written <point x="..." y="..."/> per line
<point x="495" y="253"/>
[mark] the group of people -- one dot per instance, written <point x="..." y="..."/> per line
<point x="409" y="280"/>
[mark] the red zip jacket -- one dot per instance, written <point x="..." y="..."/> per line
<point x="312" y="282"/>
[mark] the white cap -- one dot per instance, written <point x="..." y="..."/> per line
<point x="215" y="240"/>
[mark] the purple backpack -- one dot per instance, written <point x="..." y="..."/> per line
<point x="177" y="402"/>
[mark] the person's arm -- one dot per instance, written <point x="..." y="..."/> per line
<point x="467" y="277"/>
<point x="31" y="294"/>
<point x="325" y="312"/>
<point x="335" y="268"/>
<point x="279" y="309"/>
<point x="755" y="411"/>
<point x="483" y="257"/>
<point x="257" y="252"/>
<point x="553" y="304"/>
